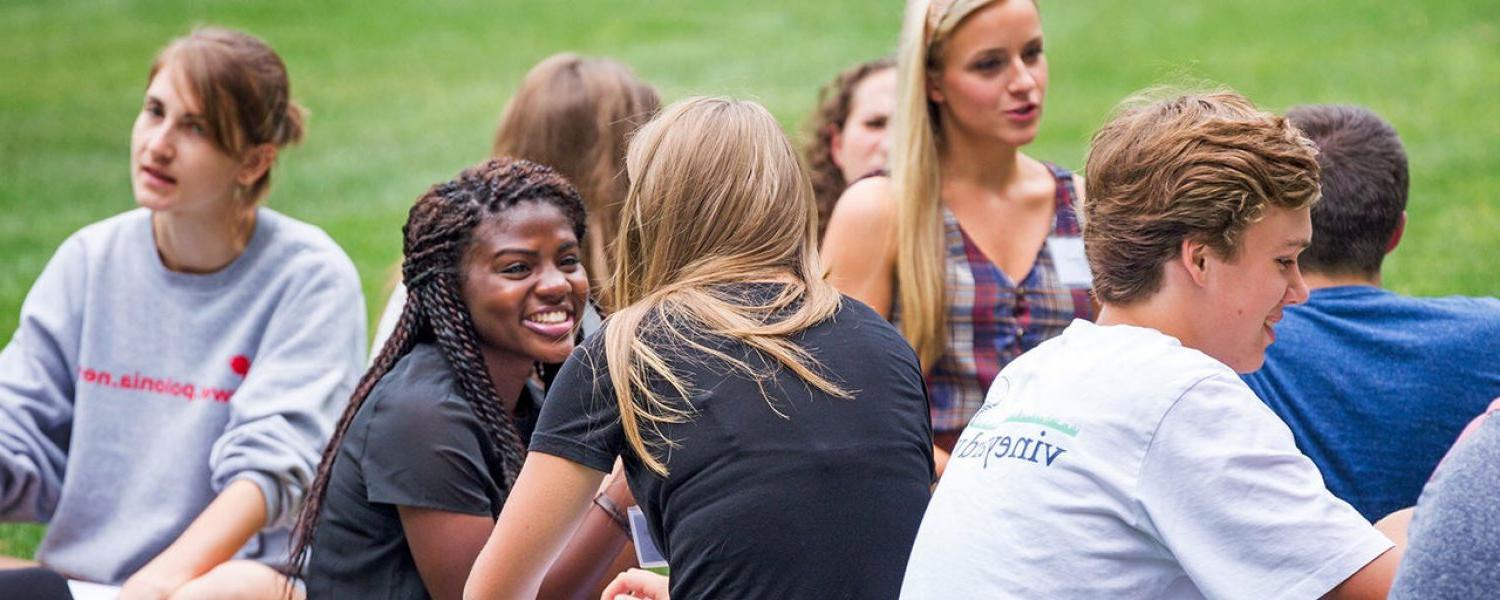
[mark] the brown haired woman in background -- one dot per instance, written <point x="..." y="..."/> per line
<point x="846" y="135"/>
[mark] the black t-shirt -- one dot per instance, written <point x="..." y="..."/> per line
<point x="821" y="503"/>
<point x="415" y="442"/>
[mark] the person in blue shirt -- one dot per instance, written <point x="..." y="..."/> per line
<point x="1375" y="386"/>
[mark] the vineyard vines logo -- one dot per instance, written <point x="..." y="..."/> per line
<point x="982" y="442"/>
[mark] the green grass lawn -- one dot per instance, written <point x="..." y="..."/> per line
<point x="405" y="94"/>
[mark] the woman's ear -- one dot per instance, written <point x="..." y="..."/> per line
<point x="256" y="162"/>
<point x="836" y="145"/>
<point x="934" y="86"/>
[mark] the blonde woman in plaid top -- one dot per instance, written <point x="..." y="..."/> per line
<point x="969" y="245"/>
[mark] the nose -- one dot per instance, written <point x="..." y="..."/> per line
<point x="552" y="284"/>
<point x="1021" y="79"/>
<point x="159" y="143"/>
<point x="1296" y="289"/>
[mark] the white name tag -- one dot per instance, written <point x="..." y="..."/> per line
<point x="1069" y="260"/>
<point x="646" y="553"/>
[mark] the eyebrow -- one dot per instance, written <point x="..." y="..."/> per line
<point x="533" y="253"/>
<point x="186" y="115"/>
<point x="1302" y="243"/>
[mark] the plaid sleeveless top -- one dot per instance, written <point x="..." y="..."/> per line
<point x="992" y="320"/>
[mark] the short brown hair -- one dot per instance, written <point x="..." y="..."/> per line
<point x="1364" y="185"/>
<point x="1200" y="167"/>
<point x="242" y="87"/>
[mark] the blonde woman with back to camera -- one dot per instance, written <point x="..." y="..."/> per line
<point x="767" y="425"/>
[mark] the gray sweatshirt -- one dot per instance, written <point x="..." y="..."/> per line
<point x="131" y="395"/>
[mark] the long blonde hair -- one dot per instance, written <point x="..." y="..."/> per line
<point x="717" y="196"/>
<point x="915" y="129"/>
<point x="575" y="114"/>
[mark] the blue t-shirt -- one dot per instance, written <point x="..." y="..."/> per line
<point x="1376" y="386"/>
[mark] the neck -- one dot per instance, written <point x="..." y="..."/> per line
<point x="1145" y="314"/>
<point x="1162" y="311"/>
<point x="202" y="243"/>
<point x="509" y="376"/>
<point x="1327" y="280"/>
<point x="985" y="163"/>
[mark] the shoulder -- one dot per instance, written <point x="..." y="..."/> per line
<point x="1484" y="311"/>
<point x="856" y="321"/>
<point x="96" y="239"/>
<point x="417" y="383"/>
<point x="303" y="260"/>
<point x="867" y="202"/>
<point x="298" y="244"/>
<point x="1071" y="182"/>
<point x="586" y="365"/>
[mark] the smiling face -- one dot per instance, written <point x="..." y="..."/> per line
<point x="993" y="75"/>
<point x="1244" y="297"/>
<point x="861" y="146"/>
<point x="174" y="164"/>
<point x="524" y="284"/>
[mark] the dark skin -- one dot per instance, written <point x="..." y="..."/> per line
<point x="520" y="268"/>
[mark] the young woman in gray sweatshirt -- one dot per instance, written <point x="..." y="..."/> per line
<point x="177" y="367"/>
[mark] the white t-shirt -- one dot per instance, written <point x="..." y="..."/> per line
<point x="1113" y="462"/>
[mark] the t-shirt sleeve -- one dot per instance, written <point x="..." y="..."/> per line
<point x="580" y="420"/>
<point x="425" y="452"/>
<point x="1243" y="511"/>
<point x="1455" y="534"/>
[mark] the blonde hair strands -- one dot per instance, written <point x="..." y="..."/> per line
<point x="920" y="268"/>
<point x="717" y="196"/>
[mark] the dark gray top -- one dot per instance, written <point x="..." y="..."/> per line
<point x="415" y="442"/>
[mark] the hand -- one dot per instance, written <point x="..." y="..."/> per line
<point x="636" y="584"/>
<point x="151" y="584"/>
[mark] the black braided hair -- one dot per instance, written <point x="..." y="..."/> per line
<point x="438" y="233"/>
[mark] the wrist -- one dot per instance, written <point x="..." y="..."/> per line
<point x="613" y="510"/>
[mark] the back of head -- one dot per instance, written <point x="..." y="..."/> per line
<point x="1195" y="167"/>
<point x="576" y="114"/>
<point x="717" y="197"/>
<point x="242" y="87"/>
<point x="1364" y="184"/>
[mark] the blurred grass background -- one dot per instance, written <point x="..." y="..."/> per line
<point x="406" y="94"/>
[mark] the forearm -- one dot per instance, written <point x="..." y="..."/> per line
<point x="219" y="531"/>
<point x="591" y="557"/>
<point x="543" y="510"/>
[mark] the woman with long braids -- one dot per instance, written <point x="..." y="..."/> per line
<point x="426" y="452"/>
<point x="767" y="425"/>
<point x="970" y="246"/>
